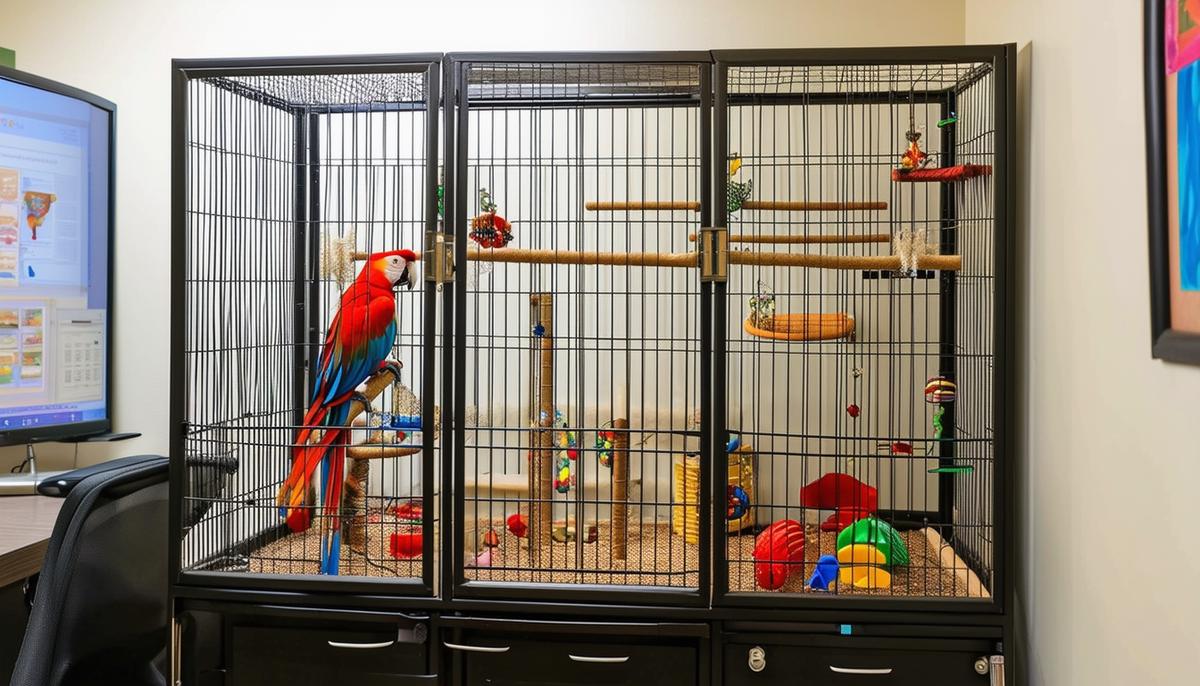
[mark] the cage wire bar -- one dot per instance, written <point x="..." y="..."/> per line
<point x="825" y="372"/>
<point x="581" y="375"/>
<point x="290" y="173"/>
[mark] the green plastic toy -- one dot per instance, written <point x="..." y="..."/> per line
<point x="878" y="533"/>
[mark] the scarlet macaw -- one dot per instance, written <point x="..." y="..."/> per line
<point x="357" y="345"/>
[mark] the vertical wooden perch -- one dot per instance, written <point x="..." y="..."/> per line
<point x="541" y="467"/>
<point x="355" y="504"/>
<point x="620" y="507"/>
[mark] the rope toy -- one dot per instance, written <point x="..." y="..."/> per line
<point x="489" y="229"/>
<point x="910" y="245"/>
<point x="337" y="257"/>
<point x="738" y="502"/>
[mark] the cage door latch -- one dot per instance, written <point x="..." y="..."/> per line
<point x="439" y="257"/>
<point x="714" y="254"/>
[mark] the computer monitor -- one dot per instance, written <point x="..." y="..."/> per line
<point x="56" y="218"/>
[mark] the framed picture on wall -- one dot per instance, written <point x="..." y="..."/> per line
<point x="1172" y="62"/>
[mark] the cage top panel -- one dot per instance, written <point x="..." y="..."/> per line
<point x="346" y="90"/>
<point x="858" y="78"/>
<point x="581" y="81"/>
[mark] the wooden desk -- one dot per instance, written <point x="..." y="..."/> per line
<point x="26" y="522"/>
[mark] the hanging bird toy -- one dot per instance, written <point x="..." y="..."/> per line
<point x="940" y="390"/>
<point x="564" y="440"/>
<point x="738" y="502"/>
<point x="605" y="439"/>
<point x="489" y="229"/>
<point x="762" y="307"/>
<point x="913" y="158"/>
<point x="737" y="192"/>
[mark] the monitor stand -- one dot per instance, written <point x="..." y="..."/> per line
<point x="25" y="483"/>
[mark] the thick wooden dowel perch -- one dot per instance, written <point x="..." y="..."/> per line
<point x="379" y="451"/>
<point x="881" y="262"/>
<point x="749" y="238"/>
<point x="643" y="259"/>
<point x="541" y="472"/>
<point x="622" y="259"/>
<point x="811" y="206"/>
<point x="784" y="205"/>
<point x="354" y="503"/>
<point x="620" y="486"/>
<point x="636" y="205"/>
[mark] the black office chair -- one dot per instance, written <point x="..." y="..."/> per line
<point x="100" y="608"/>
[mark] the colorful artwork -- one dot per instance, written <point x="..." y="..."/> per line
<point x="1183" y="33"/>
<point x="1188" y="147"/>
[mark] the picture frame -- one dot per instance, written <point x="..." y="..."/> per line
<point x="1174" y="300"/>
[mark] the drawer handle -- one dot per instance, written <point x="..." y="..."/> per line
<point x="602" y="660"/>
<point x="476" y="649"/>
<point x="851" y="670"/>
<point x="360" y="646"/>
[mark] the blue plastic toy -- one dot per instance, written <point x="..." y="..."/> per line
<point x="409" y="422"/>
<point x="825" y="573"/>
<point x="733" y="444"/>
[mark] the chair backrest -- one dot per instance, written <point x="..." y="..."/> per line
<point x="100" y="608"/>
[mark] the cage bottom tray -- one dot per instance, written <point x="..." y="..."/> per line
<point x="933" y="570"/>
<point x="299" y="553"/>
<point x="653" y="557"/>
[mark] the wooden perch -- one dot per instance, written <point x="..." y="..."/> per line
<point x="620" y="259"/>
<point x="812" y="206"/>
<point x="784" y="205"/>
<point x="620" y="488"/>
<point x="646" y="259"/>
<point x="889" y="262"/>
<point x="750" y="238"/>
<point x="379" y="451"/>
<point x="595" y="205"/>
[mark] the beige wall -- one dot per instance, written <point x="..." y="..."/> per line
<point x="121" y="49"/>
<point x="1112" y="441"/>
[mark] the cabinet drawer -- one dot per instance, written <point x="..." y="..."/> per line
<point x="370" y="654"/>
<point x="582" y="661"/>
<point x="869" y="666"/>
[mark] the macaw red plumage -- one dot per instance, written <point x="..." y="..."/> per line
<point x="356" y="346"/>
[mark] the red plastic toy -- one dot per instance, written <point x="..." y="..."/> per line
<point x="407" y="543"/>
<point x="778" y="552"/>
<point x="516" y="524"/>
<point x="411" y="511"/>
<point x="850" y="499"/>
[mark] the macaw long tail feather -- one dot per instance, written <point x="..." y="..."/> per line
<point x="332" y="520"/>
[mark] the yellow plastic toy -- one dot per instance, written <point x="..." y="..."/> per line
<point x="859" y="565"/>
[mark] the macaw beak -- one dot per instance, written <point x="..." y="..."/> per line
<point x="405" y="278"/>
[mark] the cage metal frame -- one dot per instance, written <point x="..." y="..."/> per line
<point x="960" y="617"/>
<point x="457" y="104"/>
<point x="1003" y="61"/>
<point x="306" y="331"/>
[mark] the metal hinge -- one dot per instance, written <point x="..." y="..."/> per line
<point x="439" y="257"/>
<point x="714" y="254"/>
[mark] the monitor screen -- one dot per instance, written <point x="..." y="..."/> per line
<point x="54" y="231"/>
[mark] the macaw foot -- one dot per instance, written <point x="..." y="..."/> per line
<point x="393" y="366"/>
<point x="360" y="396"/>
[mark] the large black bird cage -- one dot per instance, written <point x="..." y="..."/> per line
<point x="692" y="329"/>
<point x="582" y="328"/>
<point x="287" y="173"/>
